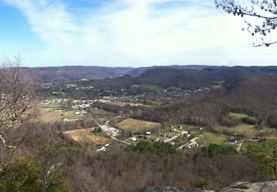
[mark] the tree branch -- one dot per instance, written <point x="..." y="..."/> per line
<point x="263" y="44"/>
<point x="4" y="142"/>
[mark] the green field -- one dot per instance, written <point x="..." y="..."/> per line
<point x="246" y="130"/>
<point x="135" y="125"/>
<point x="238" y="115"/>
<point x="207" y="138"/>
<point x="51" y="105"/>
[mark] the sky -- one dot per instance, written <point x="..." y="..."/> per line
<point x="126" y="33"/>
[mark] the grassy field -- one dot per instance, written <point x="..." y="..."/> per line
<point x="86" y="135"/>
<point x="137" y="125"/>
<point x="48" y="115"/>
<point x="52" y="105"/>
<point x="242" y="129"/>
<point x="238" y="115"/>
<point x="206" y="138"/>
<point x="247" y="130"/>
<point x="99" y="112"/>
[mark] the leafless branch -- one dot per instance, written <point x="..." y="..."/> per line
<point x="4" y="142"/>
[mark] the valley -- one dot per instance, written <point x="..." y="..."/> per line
<point x="152" y="127"/>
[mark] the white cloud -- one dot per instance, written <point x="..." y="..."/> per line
<point x="134" y="33"/>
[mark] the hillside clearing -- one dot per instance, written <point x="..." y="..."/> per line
<point x="207" y="138"/>
<point x="86" y="135"/>
<point x="135" y="125"/>
<point x="48" y="115"/>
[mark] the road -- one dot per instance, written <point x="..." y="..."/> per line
<point x="240" y="145"/>
<point x="192" y="142"/>
<point x="105" y="129"/>
<point x="175" y="137"/>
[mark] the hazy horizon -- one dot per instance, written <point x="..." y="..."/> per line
<point x="126" y="33"/>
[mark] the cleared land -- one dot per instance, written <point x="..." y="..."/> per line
<point x="87" y="135"/>
<point x="247" y="130"/>
<point x="238" y="115"/>
<point x="48" y="115"/>
<point x="137" y="125"/>
<point x="207" y="138"/>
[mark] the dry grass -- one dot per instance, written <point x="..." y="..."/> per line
<point x="247" y="130"/>
<point x="47" y="115"/>
<point x="241" y="129"/>
<point x="85" y="135"/>
<point x="137" y="125"/>
<point x="238" y="115"/>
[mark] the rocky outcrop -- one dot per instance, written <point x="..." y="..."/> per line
<point x="166" y="189"/>
<point x="240" y="186"/>
<point x="251" y="186"/>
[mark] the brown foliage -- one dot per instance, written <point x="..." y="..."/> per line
<point x="118" y="170"/>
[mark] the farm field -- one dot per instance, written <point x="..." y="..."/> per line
<point x="246" y="130"/>
<point x="206" y="138"/>
<point x="49" y="115"/>
<point x="140" y="126"/>
<point x="238" y="115"/>
<point x="135" y="125"/>
<point x="87" y="135"/>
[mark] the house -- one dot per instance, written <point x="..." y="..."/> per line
<point x="156" y="140"/>
<point x="80" y="113"/>
<point x="142" y="137"/>
<point x="69" y="120"/>
<point x="171" y="143"/>
<point x="185" y="132"/>
<point x="134" y="139"/>
<point x="57" y="110"/>
<point x="199" y="128"/>
<point x="231" y="141"/>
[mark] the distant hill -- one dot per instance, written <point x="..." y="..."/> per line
<point x="187" y="77"/>
<point x="183" y="78"/>
<point x="72" y="73"/>
<point x="253" y="94"/>
<point x="256" y="95"/>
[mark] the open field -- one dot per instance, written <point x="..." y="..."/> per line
<point x="206" y="138"/>
<point x="137" y="125"/>
<point x="247" y="130"/>
<point x="242" y="129"/>
<point x="86" y="135"/>
<point x="238" y="115"/>
<point x="48" y="115"/>
<point x="99" y="112"/>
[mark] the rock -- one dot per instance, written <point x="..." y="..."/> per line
<point x="166" y="189"/>
<point x="240" y="186"/>
<point x="251" y="186"/>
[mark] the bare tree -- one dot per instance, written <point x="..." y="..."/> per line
<point x="261" y="17"/>
<point x="17" y="97"/>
